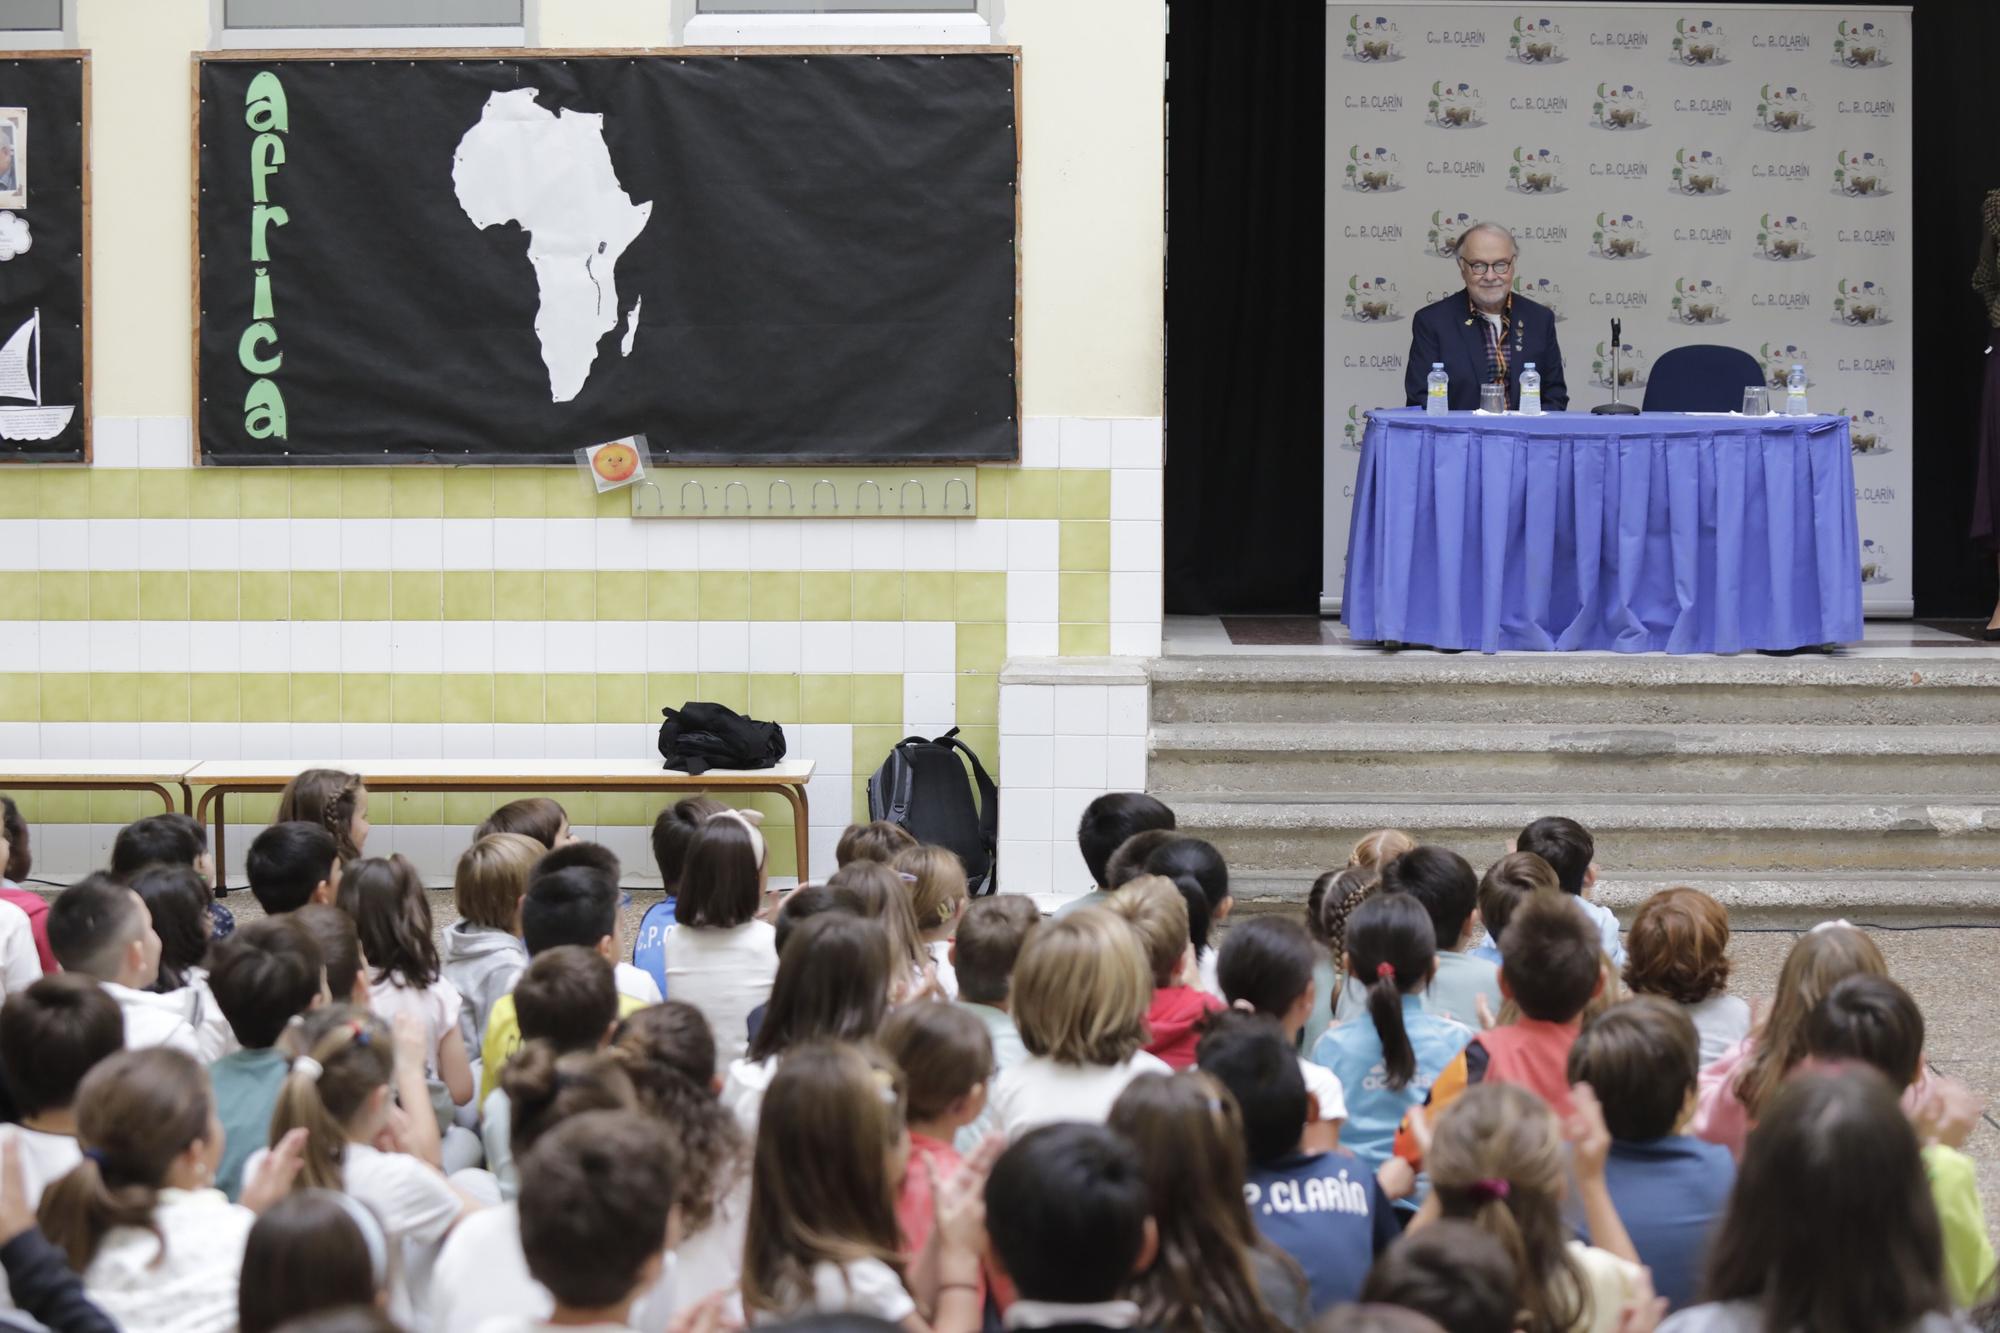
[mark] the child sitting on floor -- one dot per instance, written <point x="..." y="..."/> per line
<point x="1265" y="967"/>
<point x="1571" y="852"/>
<point x="101" y="929"/>
<point x="481" y="953"/>
<point x="1154" y="908"/>
<point x="535" y="817"/>
<point x="935" y="878"/>
<point x="292" y="864"/>
<point x="266" y="974"/>
<point x="947" y="1063"/>
<point x="1501" y="889"/>
<point x="1107" y="822"/>
<point x="1678" y="948"/>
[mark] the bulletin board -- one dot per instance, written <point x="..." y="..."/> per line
<point x="44" y="257"/>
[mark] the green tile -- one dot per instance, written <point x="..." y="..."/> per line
<point x="1083" y="640"/>
<point x="315" y="595"/>
<point x="21" y="497"/>
<point x="878" y="699"/>
<point x="626" y="808"/>
<point x="468" y="594"/>
<point x="872" y="744"/>
<point x="826" y="595"/>
<point x="416" y="698"/>
<point x="119" y="807"/>
<point x="467" y="698"/>
<point x="566" y="494"/>
<point x="264" y="595"/>
<point x="468" y="808"/>
<point x="418" y="807"/>
<point x="774" y="698"/>
<point x="20" y="696"/>
<point x="517" y="493"/>
<point x="878" y="595"/>
<point x="163" y="697"/>
<point x="65" y="493"/>
<point x="163" y="493"/>
<point x="982" y="647"/>
<point x="572" y="594"/>
<point x="1032" y="493"/>
<point x="468" y="492"/>
<point x="366" y="492"/>
<point x="364" y="594"/>
<point x="215" y="492"/>
<point x="1084" y="493"/>
<point x="774" y="596"/>
<point x="21" y="594"/>
<point x="65" y="595"/>
<point x="265" y="697"/>
<point x="985" y="742"/>
<point x="927" y="595"/>
<point x="163" y="594"/>
<point x="114" y="492"/>
<point x="364" y="697"/>
<point x="315" y="492"/>
<point x="993" y="492"/>
<point x="731" y="689"/>
<point x="416" y="492"/>
<point x="570" y="698"/>
<point x="1083" y="598"/>
<point x="672" y="594"/>
<point x="614" y="504"/>
<point x="724" y="595"/>
<point x="214" y="698"/>
<point x="518" y="594"/>
<point x="266" y="493"/>
<point x="115" y="696"/>
<point x="114" y="595"/>
<point x="416" y="594"/>
<point x="621" y="594"/>
<point x="1084" y="545"/>
<point x="982" y="597"/>
<point x="668" y="690"/>
<point x="621" y="696"/>
<point x="517" y="698"/>
<point x="978" y="701"/>
<point x="66" y="807"/>
<point x="826" y="698"/>
<point x="315" y="697"/>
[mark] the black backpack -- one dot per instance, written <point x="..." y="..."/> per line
<point x="922" y="786"/>
<point x="698" y="737"/>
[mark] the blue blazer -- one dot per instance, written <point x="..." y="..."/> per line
<point x="1446" y="331"/>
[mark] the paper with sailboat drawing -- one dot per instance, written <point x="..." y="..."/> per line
<point x="20" y="379"/>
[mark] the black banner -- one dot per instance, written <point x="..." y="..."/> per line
<point x="44" y="409"/>
<point x="772" y="258"/>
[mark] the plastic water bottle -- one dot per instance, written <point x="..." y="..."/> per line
<point x="1531" y="390"/>
<point x="1795" y="393"/>
<point x="1438" y="400"/>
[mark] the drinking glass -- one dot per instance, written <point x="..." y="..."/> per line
<point x="1756" y="401"/>
<point x="1493" y="398"/>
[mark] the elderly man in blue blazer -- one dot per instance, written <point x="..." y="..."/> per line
<point x="1485" y="334"/>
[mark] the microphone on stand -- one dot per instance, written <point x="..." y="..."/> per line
<point x="1614" y="408"/>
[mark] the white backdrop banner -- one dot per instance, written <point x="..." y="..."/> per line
<point x="1737" y="175"/>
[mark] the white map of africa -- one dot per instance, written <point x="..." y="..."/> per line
<point x="551" y="172"/>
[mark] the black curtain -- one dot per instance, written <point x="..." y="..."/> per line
<point x="1246" y="173"/>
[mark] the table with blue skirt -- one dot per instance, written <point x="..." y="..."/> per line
<point x="1662" y="532"/>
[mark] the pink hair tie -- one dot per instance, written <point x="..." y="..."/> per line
<point x="1487" y="1191"/>
<point x="1384" y="971"/>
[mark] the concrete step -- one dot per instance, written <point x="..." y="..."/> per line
<point x="1439" y="759"/>
<point x="1574" y="690"/>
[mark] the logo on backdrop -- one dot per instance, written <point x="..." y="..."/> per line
<point x="1456" y="106"/>
<point x="1704" y="106"/>
<point x="1373" y="361"/>
<point x="1867" y="431"/>
<point x="1779" y="358"/>
<point x="1632" y="365"/>
<point x="1783" y="236"/>
<point x="1698" y="301"/>
<point x="1618" y="236"/>
<point x="1543" y="291"/>
<point x="1445" y="230"/>
<point x="1535" y="171"/>
<point x="1860" y="173"/>
<point x="1372" y="231"/>
<point x="1372" y="41"/>
<point x="1866" y="235"/>
<point x="1372" y="170"/>
<point x="1373" y="102"/>
<point x="1353" y="427"/>
<point x="1783" y="108"/>
<point x="1860" y="45"/>
<point x="1619" y="106"/>
<point x="1370" y="300"/>
<point x="1619" y="41"/>
<point x="1464" y="37"/>
<point x="1860" y="302"/>
<point x="1780" y="41"/>
<point x="1877" y="107"/>
<point x="1699" y="42"/>
<point x="1699" y="171"/>
<point x="1536" y="42"/>
<point x="1874" y="561"/>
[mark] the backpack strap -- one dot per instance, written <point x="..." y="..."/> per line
<point x="989" y="793"/>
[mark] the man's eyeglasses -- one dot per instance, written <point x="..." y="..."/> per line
<point x="1500" y="266"/>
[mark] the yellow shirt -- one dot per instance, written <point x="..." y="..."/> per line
<point x="503" y="1038"/>
<point x="1968" y="1254"/>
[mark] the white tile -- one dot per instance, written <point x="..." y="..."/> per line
<point x="930" y="645"/>
<point x="365" y="646"/>
<point x="1081" y="710"/>
<point x="1067" y="872"/>
<point x="364" y="543"/>
<point x="416" y="647"/>
<point x="163" y="544"/>
<point x="165" y="740"/>
<point x="723" y="645"/>
<point x="519" y="740"/>
<point x="1033" y="544"/>
<point x="114" y="543"/>
<point x="569" y="543"/>
<point x="216" y="740"/>
<point x="822" y="840"/>
<point x="110" y="740"/>
<point x="1135" y="442"/>
<point x="267" y="740"/>
<point x="1125" y="710"/>
<point x="1081" y="761"/>
<point x="621" y="543"/>
<point x="165" y="442"/>
<point x="1067" y="805"/>
<point x="211" y="544"/>
<point x="569" y="647"/>
<point x="417" y="740"/>
<point x="775" y="646"/>
<point x="265" y="646"/>
<point x="723" y="543"/>
<point x="670" y="544"/>
<point x="1027" y="710"/>
<point x="66" y="645"/>
<point x="571" y="742"/>
<point x="518" y="646"/>
<point x="775" y="543"/>
<point x="465" y="543"/>
<point x="520" y="543"/>
<point x="930" y="701"/>
<point x="424" y="845"/>
<point x="982" y="543"/>
<point x="670" y="646"/>
<point x="1033" y="639"/>
<point x="65" y="740"/>
<point x="1026" y="812"/>
<point x="1139" y="638"/>
<point x="63" y="543"/>
<point x="64" y="849"/>
<point x="20" y="543"/>
<point x="259" y="542"/>
<point x="367" y="740"/>
<point x="164" y="645"/>
<point x="1136" y="596"/>
<point x="826" y="647"/>
<point x="830" y="745"/>
<point x="1125" y="763"/>
<point x="621" y="645"/>
<point x="633" y="847"/>
<point x="929" y="544"/>
<point x="1136" y="493"/>
<point x="467" y="740"/>
<point x="1032" y="597"/>
<point x="469" y="646"/>
<point x="878" y="543"/>
<point x="1040" y="442"/>
<point x="314" y="743"/>
<point x="828" y="798"/>
<point x="1086" y="442"/>
<point x="636" y="738"/>
<point x="1027" y="761"/>
<point x="311" y="543"/>
<point x="878" y="645"/>
<point x="114" y="645"/>
<point x="114" y="441"/>
<point x="219" y="647"/>
<point x="1024" y="867"/>
<point x="826" y="543"/>
<point x="1136" y="547"/>
<point x="23" y="740"/>
<point x="20" y="646"/>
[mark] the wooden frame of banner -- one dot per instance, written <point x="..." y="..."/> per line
<point x="683" y="53"/>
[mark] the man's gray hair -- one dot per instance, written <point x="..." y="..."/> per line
<point x="1493" y="227"/>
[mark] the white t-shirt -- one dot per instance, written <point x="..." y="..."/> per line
<point x="20" y="965"/>
<point x="436" y="1006"/>
<point x="725" y="973"/>
<point x="187" y="1287"/>
<point x="211" y="1029"/>
<point x="481" y="1281"/>
<point x="743" y="1090"/>
<point x="711" y="1260"/>
<point x="154" y="1020"/>
<point x="947" y="975"/>
<point x="1612" y="1281"/>
<point x="636" y="982"/>
<point x="45" y="1159"/>
<point x="1324" y="1084"/>
<point x="1039" y="1091"/>
<point x="860" y="1286"/>
<point x="417" y="1207"/>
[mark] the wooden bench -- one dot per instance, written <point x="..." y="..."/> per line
<point x="150" y="776"/>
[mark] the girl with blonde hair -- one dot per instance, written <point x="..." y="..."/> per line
<point x="482" y="952"/>
<point x="935" y="880"/>
<point x="1379" y="848"/>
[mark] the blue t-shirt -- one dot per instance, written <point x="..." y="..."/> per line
<point x="246" y="1085"/>
<point x="1670" y="1193"/>
<point x="1327" y="1212"/>
<point x="1353" y="1051"/>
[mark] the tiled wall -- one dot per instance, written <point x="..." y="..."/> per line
<point x="1070" y="730"/>
<point x="150" y="609"/>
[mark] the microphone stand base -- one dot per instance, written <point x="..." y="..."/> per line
<point x="1614" y="410"/>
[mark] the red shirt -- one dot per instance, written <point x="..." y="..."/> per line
<point x="37" y="908"/>
<point x="915" y="1210"/>
<point x="1533" y="1054"/>
<point x="1174" y="1020"/>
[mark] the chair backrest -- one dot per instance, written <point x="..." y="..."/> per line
<point x="1706" y="377"/>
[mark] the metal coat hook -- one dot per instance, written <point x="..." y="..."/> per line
<point x="963" y="485"/>
<point x="868" y="481"/>
<point x="791" y="500"/>
<point x="659" y="500"/>
<point x="684" y="495"/>
<point x="923" y="497"/>
<point x="725" y="496"/>
<point x="835" y="490"/>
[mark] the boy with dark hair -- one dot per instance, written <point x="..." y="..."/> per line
<point x="1107" y="822"/>
<point x="170" y="839"/>
<point x="1501" y="889"/>
<point x="264" y="975"/>
<point x="567" y="998"/>
<point x="102" y="929"/>
<point x="1129" y="861"/>
<point x="989" y="939"/>
<point x="1452" y="1272"/>
<point x="1571" y="852"/>
<point x="1325" y="1209"/>
<point x="1071" y="1223"/>
<point x="292" y="864"/>
<point x="1444" y="883"/>
<point x="1641" y="1059"/>
<point x="339" y="951"/>
<point x="1195" y="863"/>
<point x="51" y="1035"/>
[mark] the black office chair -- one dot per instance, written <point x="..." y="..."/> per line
<point x="1706" y="377"/>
